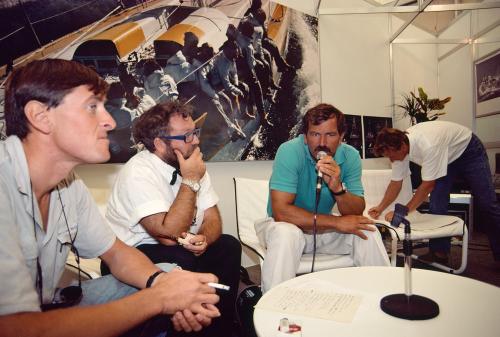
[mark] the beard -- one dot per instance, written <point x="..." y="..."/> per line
<point x="171" y="159"/>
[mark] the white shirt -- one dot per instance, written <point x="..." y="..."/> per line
<point x="18" y="246"/>
<point x="143" y="188"/>
<point x="433" y="145"/>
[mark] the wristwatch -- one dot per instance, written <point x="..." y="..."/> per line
<point x="342" y="191"/>
<point x="194" y="185"/>
<point x="152" y="278"/>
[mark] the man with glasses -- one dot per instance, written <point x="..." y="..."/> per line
<point x="163" y="203"/>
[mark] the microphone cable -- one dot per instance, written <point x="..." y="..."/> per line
<point x="319" y="182"/>
<point x="315" y="228"/>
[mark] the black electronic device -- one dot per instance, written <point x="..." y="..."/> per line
<point x="407" y="305"/>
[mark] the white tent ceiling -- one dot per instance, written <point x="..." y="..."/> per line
<point x="433" y="21"/>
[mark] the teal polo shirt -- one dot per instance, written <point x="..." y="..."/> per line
<point x="294" y="171"/>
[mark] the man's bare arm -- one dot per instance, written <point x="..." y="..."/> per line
<point x="349" y="203"/>
<point x="391" y="193"/>
<point x="421" y="194"/>
<point x="171" y="292"/>
<point x="109" y="319"/>
<point x="171" y="224"/>
<point x="212" y="224"/>
<point x="285" y="210"/>
<point x="135" y="271"/>
<point x="210" y="230"/>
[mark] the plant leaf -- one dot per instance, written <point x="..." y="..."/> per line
<point x="422" y="94"/>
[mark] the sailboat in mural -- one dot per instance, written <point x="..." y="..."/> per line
<point x="156" y="32"/>
<point x="159" y="34"/>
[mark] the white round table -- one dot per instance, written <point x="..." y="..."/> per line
<point x="467" y="307"/>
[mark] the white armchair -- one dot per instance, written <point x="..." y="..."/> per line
<point x="375" y="183"/>
<point x="251" y="205"/>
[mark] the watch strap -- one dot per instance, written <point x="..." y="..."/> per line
<point x="194" y="185"/>
<point x="151" y="279"/>
<point x="342" y="191"/>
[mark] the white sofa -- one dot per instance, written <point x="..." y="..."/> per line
<point x="251" y="205"/>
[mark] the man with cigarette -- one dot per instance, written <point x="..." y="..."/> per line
<point x="164" y="204"/>
<point x="56" y="120"/>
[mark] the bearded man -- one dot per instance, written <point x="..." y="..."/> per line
<point x="164" y="204"/>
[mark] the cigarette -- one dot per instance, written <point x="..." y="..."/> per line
<point x="218" y="286"/>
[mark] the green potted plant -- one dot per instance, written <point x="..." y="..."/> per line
<point x="422" y="109"/>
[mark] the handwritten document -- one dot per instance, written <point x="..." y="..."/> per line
<point x="312" y="302"/>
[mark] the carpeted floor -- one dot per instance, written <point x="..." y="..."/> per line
<point x="480" y="263"/>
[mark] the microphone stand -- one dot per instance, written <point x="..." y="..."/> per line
<point x="407" y="305"/>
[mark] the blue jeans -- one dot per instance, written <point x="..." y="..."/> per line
<point x="473" y="166"/>
<point x="107" y="288"/>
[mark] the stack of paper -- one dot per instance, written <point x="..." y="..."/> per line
<point x="312" y="301"/>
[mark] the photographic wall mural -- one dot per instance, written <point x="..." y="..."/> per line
<point x="371" y="127"/>
<point x="487" y="79"/>
<point x="354" y="133"/>
<point x="361" y="132"/>
<point x="156" y="51"/>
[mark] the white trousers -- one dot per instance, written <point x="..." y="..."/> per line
<point x="285" y="243"/>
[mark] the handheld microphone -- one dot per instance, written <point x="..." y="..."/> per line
<point x="319" y="156"/>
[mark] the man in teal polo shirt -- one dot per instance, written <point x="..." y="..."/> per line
<point x="287" y="232"/>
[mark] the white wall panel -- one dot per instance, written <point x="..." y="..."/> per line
<point x="354" y="56"/>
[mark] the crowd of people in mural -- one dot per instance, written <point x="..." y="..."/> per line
<point x="236" y="82"/>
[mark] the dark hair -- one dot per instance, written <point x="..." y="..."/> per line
<point x="390" y="138"/>
<point x="47" y="81"/>
<point x="320" y="113"/>
<point x="116" y="90"/>
<point x="256" y="4"/>
<point x="231" y="49"/>
<point x="156" y="121"/>
<point x="246" y="28"/>
<point x="190" y="39"/>
<point x="205" y="52"/>
<point x="260" y="16"/>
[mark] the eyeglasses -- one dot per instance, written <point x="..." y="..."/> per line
<point x="188" y="137"/>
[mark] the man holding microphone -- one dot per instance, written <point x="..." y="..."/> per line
<point x="287" y="232"/>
